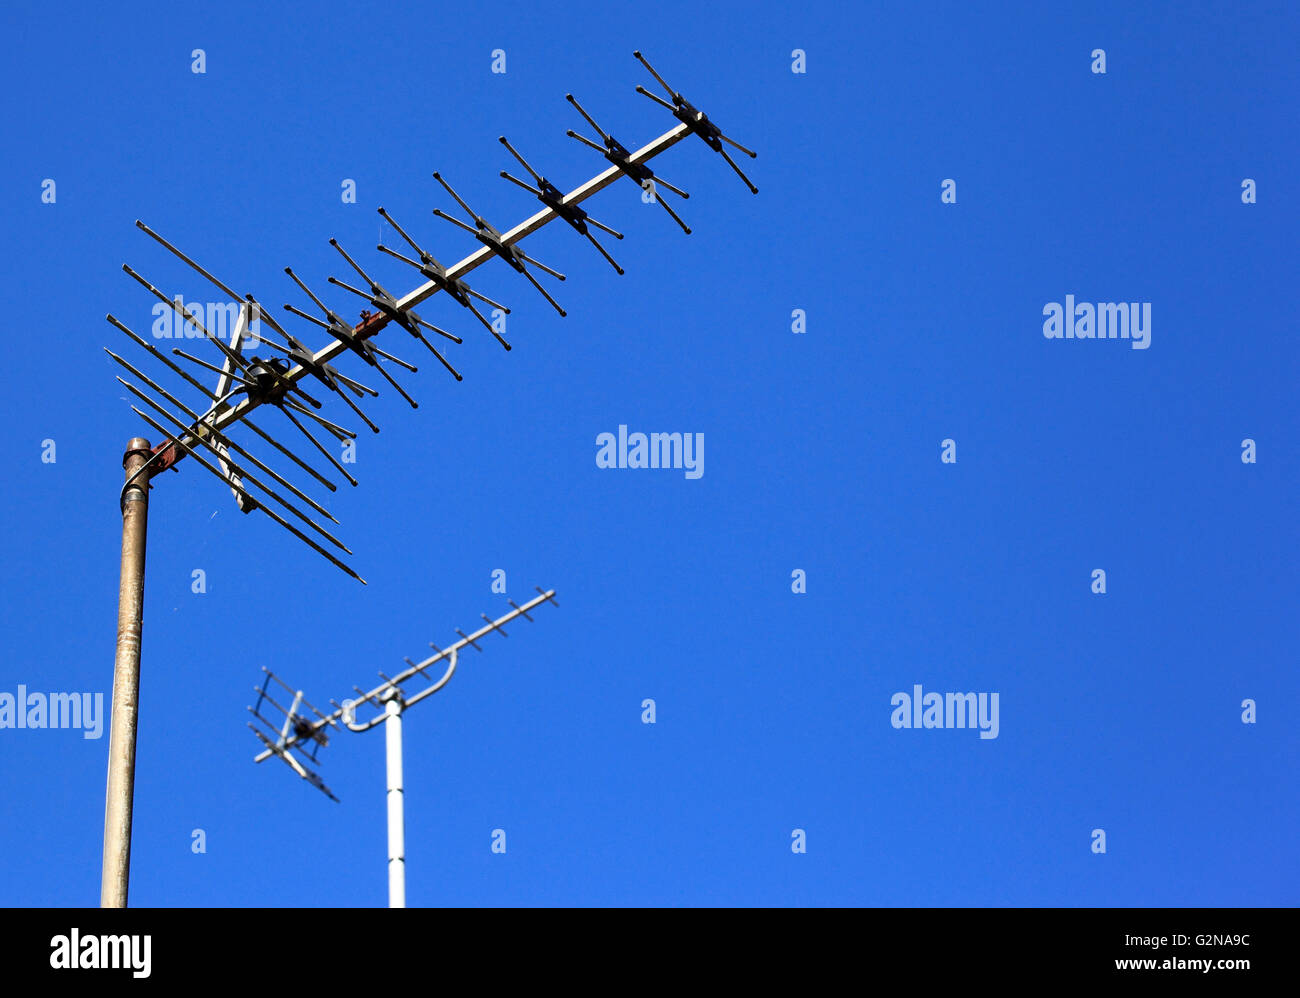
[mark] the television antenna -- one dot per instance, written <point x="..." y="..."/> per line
<point x="205" y="429"/>
<point x="296" y="734"/>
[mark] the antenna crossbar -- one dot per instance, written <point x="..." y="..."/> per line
<point x="169" y="454"/>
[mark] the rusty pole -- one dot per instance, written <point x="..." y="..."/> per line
<point x="126" y="680"/>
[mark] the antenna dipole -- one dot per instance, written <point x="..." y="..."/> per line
<point x="298" y="738"/>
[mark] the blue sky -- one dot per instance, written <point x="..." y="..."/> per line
<point x="1119" y="711"/>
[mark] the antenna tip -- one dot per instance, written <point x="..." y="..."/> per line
<point x="568" y="97"/>
<point x="333" y="241"/>
<point x="380" y="209"/>
<point x="504" y="174"/>
<point x="637" y="53"/>
<point x="501" y="139"/>
<point x="459" y="378"/>
<point x="139" y="224"/>
<point x="437" y="175"/>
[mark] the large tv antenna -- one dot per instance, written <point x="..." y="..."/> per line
<point x="206" y="428"/>
<point x="296" y="734"/>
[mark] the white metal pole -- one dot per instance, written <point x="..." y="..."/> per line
<point x="396" y="823"/>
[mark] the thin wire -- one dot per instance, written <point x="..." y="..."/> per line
<point x="121" y="498"/>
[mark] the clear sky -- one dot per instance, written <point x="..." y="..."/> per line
<point x="1120" y="711"/>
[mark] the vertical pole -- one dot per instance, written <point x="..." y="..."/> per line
<point x="396" y="822"/>
<point x="126" y="682"/>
